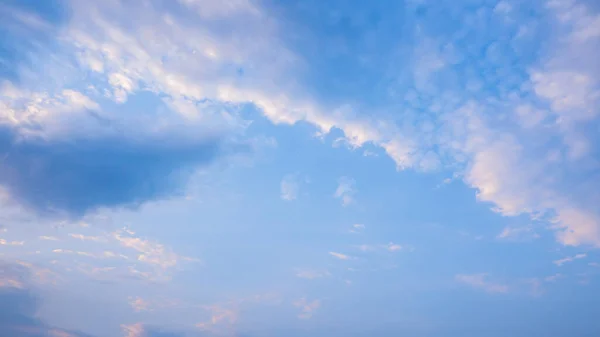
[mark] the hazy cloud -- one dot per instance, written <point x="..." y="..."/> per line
<point x="567" y="259"/>
<point x="307" y="307"/>
<point x="346" y="190"/>
<point x="480" y="281"/>
<point x="340" y="256"/>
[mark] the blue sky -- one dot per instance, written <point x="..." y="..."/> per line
<point x="299" y="168"/>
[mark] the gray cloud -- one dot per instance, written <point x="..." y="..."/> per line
<point x="18" y="306"/>
<point x="77" y="175"/>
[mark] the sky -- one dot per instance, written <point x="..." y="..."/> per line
<point x="270" y="168"/>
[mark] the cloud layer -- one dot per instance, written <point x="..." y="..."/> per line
<point x="78" y="175"/>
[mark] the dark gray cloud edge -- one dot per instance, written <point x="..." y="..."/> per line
<point x="79" y="175"/>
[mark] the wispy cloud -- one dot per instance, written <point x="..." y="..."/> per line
<point x="149" y="252"/>
<point x="536" y="287"/>
<point x="518" y="233"/>
<point x="139" y="304"/>
<point x="340" y="256"/>
<point x="480" y="281"/>
<point x="307" y="307"/>
<point x="346" y="190"/>
<point x="11" y="243"/>
<point x="568" y="259"/>
<point x="392" y="247"/>
<point x="88" y="238"/>
<point x="290" y="187"/>
<point x="553" y="278"/>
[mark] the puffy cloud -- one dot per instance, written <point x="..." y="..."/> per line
<point x="80" y="175"/>
<point x="191" y="62"/>
<point x="480" y="281"/>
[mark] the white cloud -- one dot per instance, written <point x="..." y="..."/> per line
<point x="307" y="308"/>
<point x="357" y="228"/>
<point x="289" y="187"/>
<point x="340" y="256"/>
<point x="346" y="190"/>
<point x="48" y="238"/>
<point x="185" y="59"/>
<point x="479" y="281"/>
<point x="149" y="252"/>
<point x="11" y="243"/>
<point x="88" y="238"/>
<point x="392" y="247"/>
<point x="567" y="259"/>
<point x="518" y="233"/>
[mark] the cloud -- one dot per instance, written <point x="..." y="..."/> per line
<point x="307" y="308"/>
<point x="139" y="304"/>
<point x="150" y="252"/>
<point x="553" y="278"/>
<point x="517" y="233"/>
<point x="560" y="262"/>
<point x="346" y="190"/>
<point x="88" y="238"/>
<point x="366" y="248"/>
<point x="357" y="228"/>
<point x="392" y="247"/>
<point x="83" y="174"/>
<point x="192" y="64"/>
<point x="289" y="187"/>
<point x="340" y="256"/>
<point x="11" y="243"/>
<point x="18" y="306"/>
<point x="133" y="330"/>
<point x="143" y="330"/>
<point x="479" y="281"/>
